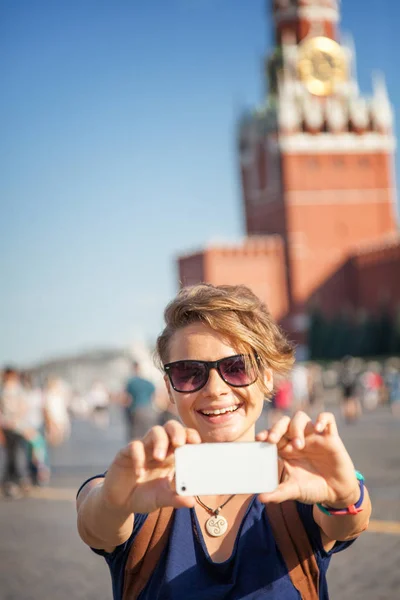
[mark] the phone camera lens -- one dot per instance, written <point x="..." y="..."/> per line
<point x="183" y="488"/>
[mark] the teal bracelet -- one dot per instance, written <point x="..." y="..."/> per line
<point x="354" y="509"/>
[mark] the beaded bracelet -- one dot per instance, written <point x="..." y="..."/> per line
<point x="353" y="509"/>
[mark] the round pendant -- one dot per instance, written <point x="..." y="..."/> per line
<point x="216" y="525"/>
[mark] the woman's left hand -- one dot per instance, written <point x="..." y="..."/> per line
<point x="317" y="466"/>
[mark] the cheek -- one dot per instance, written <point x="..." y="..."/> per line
<point x="183" y="402"/>
<point x="252" y="395"/>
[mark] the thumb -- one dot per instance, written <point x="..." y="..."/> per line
<point x="288" y="490"/>
<point x="167" y="496"/>
<point x="183" y="501"/>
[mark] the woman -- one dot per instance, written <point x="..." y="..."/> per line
<point x="230" y="325"/>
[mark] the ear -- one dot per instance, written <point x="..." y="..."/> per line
<point x="269" y="379"/>
<point x="169" y="389"/>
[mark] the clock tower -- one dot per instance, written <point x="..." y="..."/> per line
<point x="316" y="157"/>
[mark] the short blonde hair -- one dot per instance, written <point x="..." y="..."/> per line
<point x="236" y="313"/>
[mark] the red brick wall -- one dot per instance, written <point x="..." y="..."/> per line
<point x="263" y="200"/>
<point x="265" y="218"/>
<point x="259" y="263"/>
<point x="333" y="203"/>
<point x="261" y="268"/>
<point x="191" y="269"/>
<point x="378" y="278"/>
<point x="336" y="171"/>
<point x="368" y="280"/>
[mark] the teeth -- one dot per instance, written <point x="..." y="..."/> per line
<point x="220" y="411"/>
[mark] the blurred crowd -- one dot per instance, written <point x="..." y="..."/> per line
<point x="355" y="384"/>
<point x="36" y="416"/>
<point x="32" y="417"/>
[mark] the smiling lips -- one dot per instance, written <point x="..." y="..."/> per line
<point x="220" y="411"/>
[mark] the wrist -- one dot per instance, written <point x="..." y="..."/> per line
<point x="351" y="505"/>
<point x="342" y="503"/>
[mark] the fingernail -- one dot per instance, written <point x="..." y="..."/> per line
<point x="319" y="427"/>
<point x="298" y="443"/>
<point x="159" y="454"/>
<point x="272" y="437"/>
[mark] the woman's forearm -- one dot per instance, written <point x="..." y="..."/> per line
<point x="100" y="526"/>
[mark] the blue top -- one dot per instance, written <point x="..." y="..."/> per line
<point x="141" y="392"/>
<point x="255" y="570"/>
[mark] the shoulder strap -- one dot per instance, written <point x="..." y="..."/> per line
<point x="146" y="551"/>
<point x="295" y="547"/>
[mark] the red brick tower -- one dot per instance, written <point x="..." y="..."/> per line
<point x="316" y="161"/>
<point x="316" y="158"/>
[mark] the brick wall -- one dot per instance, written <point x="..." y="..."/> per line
<point x="258" y="263"/>
<point x="333" y="203"/>
<point x="368" y="280"/>
<point x="378" y="277"/>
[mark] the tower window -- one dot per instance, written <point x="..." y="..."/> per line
<point x="338" y="161"/>
<point x="364" y="162"/>
<point x="313" y="162"/>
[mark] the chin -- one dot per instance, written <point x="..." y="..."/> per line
<point x="224" y="435"/>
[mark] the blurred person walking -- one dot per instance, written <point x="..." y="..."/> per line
<point x="372" y="385"/>
<point x="300" y="386"/>
<point x="138" y="399"/>
<point x="165" y="408"/>
<point x="282" y="401"/>
<point x="13" y="411"/>
<point x="58" y="426"/>
<point x="392" y="380"/>
<point x="36" y="444"/>
<point x="98" y="400"/>
<point x="349" y="385"/>
<point x="315" y="389"/>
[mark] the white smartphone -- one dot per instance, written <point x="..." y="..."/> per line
<point x="226" y="468"/>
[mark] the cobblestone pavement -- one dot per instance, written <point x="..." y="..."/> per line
<point x="41" y="556"/>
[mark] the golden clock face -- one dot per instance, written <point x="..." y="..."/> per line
<point x="321" y="65"/>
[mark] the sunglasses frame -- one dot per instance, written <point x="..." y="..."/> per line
<point x="210" y="364"/>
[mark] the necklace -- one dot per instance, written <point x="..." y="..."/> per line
<point x="216" y="525"/>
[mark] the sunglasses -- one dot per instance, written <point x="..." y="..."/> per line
<point x="187" y="376"/>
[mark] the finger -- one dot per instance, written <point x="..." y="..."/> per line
<point x="169" y="497"/>
<point x="139" y="458"/>
<point x="133" y="454"/>
<point x="276" y="432"/>
<point x="156" y="442"/>
<point x="262" y="436"/>
<point x="288" y="490"/>
<point x="192" y="436"/>
<point x="183" y="501"/>
<point x="296" y="429"/>
<point x="176" y="433"/>
<point x="326" y="423"/>
<point x="164" y="494"/>
<point x="179" y="435"/>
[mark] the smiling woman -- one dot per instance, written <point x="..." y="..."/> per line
<point x="219" y="352"/>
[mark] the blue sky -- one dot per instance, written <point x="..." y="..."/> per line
<point x="118" y="153"/>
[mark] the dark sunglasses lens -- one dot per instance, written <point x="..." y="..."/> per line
<point x="187" y="376"/>
<point x="234" y="372"/>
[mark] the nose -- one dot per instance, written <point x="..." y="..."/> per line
<point x="215" y="385"/>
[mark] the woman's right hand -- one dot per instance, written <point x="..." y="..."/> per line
<point x="141" y="477"/>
